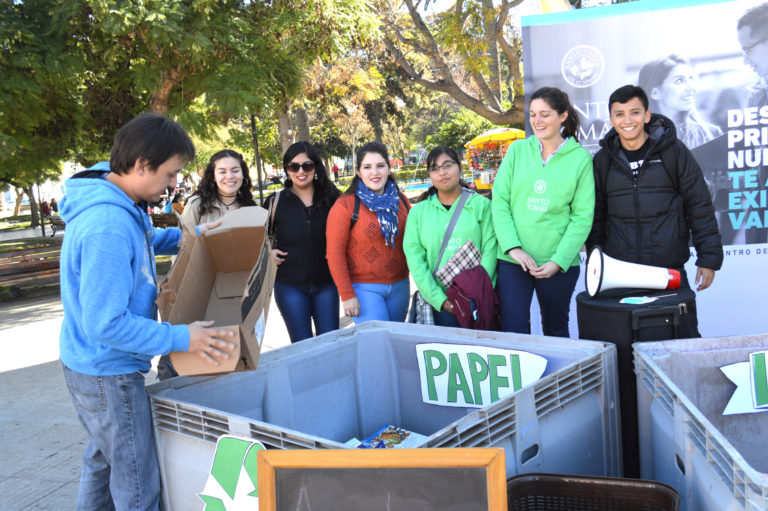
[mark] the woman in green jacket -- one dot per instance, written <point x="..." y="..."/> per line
<point x="427" y="223"/>
<point x="543" y="203"/>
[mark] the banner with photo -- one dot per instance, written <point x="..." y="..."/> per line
<point x="711" y="78"/>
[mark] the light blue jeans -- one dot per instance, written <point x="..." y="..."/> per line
<point x="383" y="302"/>
<point x="120" y="469"/>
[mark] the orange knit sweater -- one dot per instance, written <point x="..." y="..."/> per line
<point x="361" y="255"/>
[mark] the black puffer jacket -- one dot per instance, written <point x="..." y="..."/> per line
<point x="649" y="218"/>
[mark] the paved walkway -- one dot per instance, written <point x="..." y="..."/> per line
<point x="29" y="232"/>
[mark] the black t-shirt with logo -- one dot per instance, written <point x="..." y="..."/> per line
<point x="637" y="156"/>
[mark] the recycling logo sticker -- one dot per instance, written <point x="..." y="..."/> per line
<point x="232" y="483"/>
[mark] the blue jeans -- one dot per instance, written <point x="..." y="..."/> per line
<point x="443" y="318"/>
<point x="515" y="288"/>
<point x="384" y="302"/>
<point x="300" y="305"/>
<point x="120" y="469"/>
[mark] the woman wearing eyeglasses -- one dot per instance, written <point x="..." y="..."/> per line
<point x="427" y="224"/>
<point x="304" y="289"/>
<point x="543" y="204"/>
<point x="225" y="186"/>
<point x="365" y="241"/>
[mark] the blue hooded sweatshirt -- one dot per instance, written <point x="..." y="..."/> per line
<point x="109" y="280"/>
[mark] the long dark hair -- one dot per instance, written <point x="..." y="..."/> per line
<point x="208" y="191"/>
<point x="653" y="74"/>
<point x="326" y="192"/>
<point x="560" y="103"/>
<point x="431" y="157"/>
<point x="370" y="147"/>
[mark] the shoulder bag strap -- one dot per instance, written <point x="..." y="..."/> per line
<point x="465" y="193"/>
<point x="272" y="208"/>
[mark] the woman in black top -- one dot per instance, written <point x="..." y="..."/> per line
<point x="304" y="289"/>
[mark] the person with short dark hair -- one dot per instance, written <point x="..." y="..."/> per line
<point x="110" y="331"/>
<point x="543" y="199"/>
<point x="225" y="186"/>
<point x="753" y="37"/>
<point x="366" y="257"/>
<point x="646" y="208"/>
<point x="304" y="290"/>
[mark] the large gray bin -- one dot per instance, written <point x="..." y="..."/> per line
<point x="715" y="462"/>
<point x="320" y="393"/>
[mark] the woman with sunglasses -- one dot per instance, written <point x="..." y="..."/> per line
<point x="365" y="241"/>
<point x="225" y="186"/>
<point x="304" y="289"/>
<point x="426" y="227"/>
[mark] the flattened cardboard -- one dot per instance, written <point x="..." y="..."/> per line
<point x="225" y="275"/>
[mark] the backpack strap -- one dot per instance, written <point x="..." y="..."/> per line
<point x="669" y="161"/>
<point x="356" y="212"/>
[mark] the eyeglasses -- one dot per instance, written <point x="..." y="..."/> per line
<point x="308" y="166"/>
<point x="447" y="165"/>
<point x="748" y="51"/>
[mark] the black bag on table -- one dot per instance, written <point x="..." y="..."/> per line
<point x="603" y="318"/>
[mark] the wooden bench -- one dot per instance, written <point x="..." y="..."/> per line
<point x="18" y="266"/>
<point x="164" y="220"/>
<point x="57" y="224"/>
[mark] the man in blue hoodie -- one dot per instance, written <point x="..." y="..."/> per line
<point x="110" y="331"/>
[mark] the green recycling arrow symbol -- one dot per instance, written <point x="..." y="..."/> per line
<point x="232" y="455"/>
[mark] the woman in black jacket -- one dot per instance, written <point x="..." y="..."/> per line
<point x="304" y="289"/>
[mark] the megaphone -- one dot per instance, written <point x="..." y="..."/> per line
<point x="605" y="272"/>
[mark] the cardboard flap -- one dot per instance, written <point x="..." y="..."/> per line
<point x="249" y="216"/>
<point x="169" y="285"/>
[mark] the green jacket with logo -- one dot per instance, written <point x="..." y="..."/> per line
<point x="545" y="210"/>
<point x="424" y="231"/>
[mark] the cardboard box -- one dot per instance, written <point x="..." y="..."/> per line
<point x="225" y="275"/>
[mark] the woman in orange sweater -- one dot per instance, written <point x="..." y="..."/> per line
<point x="365" y="255"/>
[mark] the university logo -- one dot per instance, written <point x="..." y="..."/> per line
<point x="540" y="186"/>
<point x="582" y="66"/>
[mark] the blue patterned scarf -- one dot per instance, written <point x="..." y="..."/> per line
<point x="385" y="206"/>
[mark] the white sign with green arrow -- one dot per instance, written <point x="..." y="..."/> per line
<point x="232" y="482"/>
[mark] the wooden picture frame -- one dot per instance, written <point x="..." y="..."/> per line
<point x="421" y="465"/>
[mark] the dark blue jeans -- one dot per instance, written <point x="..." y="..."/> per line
<point x="515" y="288"/>
<point x="120" y="469"/>
<point x="443" y="318"/>
<point x="300" y="305"/>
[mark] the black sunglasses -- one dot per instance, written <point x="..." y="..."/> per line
<point x="308" y="166"/>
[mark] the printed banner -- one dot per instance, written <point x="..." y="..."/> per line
<point x="711" y="78"/>
<point x="474" y="376"/>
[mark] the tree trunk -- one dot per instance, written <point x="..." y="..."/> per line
<point x="286" y="135"/>
<point x="302" y="125"/>
<point x="32" y="206"/>
<point x="19" y="198"/>
<point x="373" y="111"/>
<point x="158" y="103"/>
